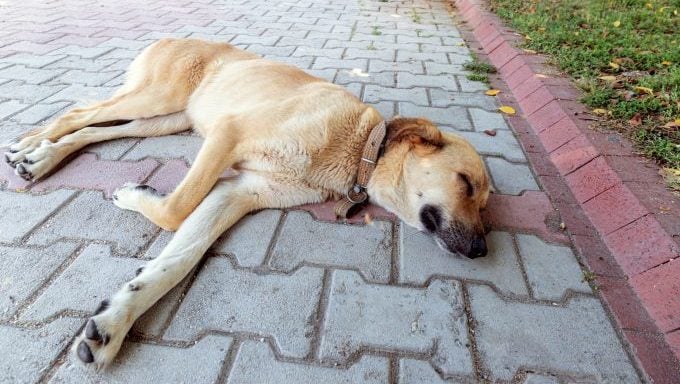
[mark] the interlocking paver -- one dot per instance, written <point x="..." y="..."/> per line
<point x="75" y="288"/>
<point x="91" y="217"/>
<point x="418" y="372"/>
<point x="367" y="249"/>
<point x="269" y="305"/>
<point x="409" y="80"/>
<point x="148" y="363"/>
<point x="375" y="93"/>
<point x="429" y="320"/>
<point x="248" y="240"/>
<point x="443" y="98"/>
<point x="27" y="353"/>
<point x="169" y="147"/>
<point x="27" y="93"/>
<point x="551" y="269"/>
<point x="27" y="74"/>
<point x="25" y="269"/>
<point x="577" y="338"/>
<point x="20" y="212"/>
<point x="509" y="178"/>
<point x="421" y="259"/>
<point x="255" y="363"/>
<point x="452" y="117"/>
<point x="39" y="113"/>
<point x="504" y="144"/>
<point x="483" y="120"/>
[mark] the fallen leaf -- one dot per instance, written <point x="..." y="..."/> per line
<point x="508" y="110"/>
<point x="677" y="121"/>
<point x="636" y="120"/>
<point x="492" y="92"/>
<point x="672" y="124"/>
<point x="617" y="23"/>
<point x="642" y="90"/>
<point x="614" y="65"/>
<point x="490" y="132"/>
<point x="664" y="209"/>
<point x="608" y="78"/>
<point x="600" y="111"/>
<point x="666" y="63"/>
<point x="529" y="51"/>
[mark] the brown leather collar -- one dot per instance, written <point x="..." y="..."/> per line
<point x="357" y="195"/>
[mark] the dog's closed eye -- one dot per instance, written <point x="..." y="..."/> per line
<point x="470" y="189"/>
<point x="430" y="217"/>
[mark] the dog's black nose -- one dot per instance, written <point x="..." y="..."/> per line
<point x="478" y="248"/>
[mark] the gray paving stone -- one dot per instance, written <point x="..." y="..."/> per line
<point x="504" y="144"/>
<point x="31" y="60"/>
<point x="420" y="372"/>
<point x="367" y="249"/>
<point x="81" y="94"/>
<point x="345" y="76"/>
<point x="91" y="217"/>
<point x="167" y="147"/>
<point x="428" y="320"/>
<point x="21" y="212"/>
<point x="375" y="93"/>
<point x="27" y="74"/>
<point x="152" y="323"/>
<point x="84" y="52"/>
<point x="255" y="364"/>
<point x="433" y="68"/>
<point x="436" y="57"/>
<point x="113" y="149"/>
<point x="249" y="239"/>
<point x="467" y="85"/>
<point x="380" y="66"/>
<point x="577" y="338"/>
<point x="442" y="98"/>
<point x="454" y="117"/>
<point x="79" y="63"/>
<point x="551" y="269"/>
<point x="533" y="378"/>
<point x="296" y="42"/>
<point x="92" y="79"/>
<point x="509" y="178"/>
<point x="445" y="81"/>
<point x="92" y="277"/>
<point x="386" y="108"/>
<point x="147" y="363"/>
<point x="421" y="259"/>
<point x="25" y="269"/>
<point x="369" y="51"/>
<point x="27" y="93"/>
<point x="38" y="348"/>
<point x="483" y="120"/>
<point x="10" y="107"/>
<point x="330" y="53"/>
<point x="350" y="64"/>
<point x="233" y="300"/>
<point x="39" y="113"/>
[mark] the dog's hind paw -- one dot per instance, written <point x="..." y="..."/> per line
<point x="132" y="196"/>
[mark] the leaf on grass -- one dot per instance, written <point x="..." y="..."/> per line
<point x="600" y="111"/>
<point x="508" y="110"/>
<point x="642" y="90"/>
<point x="492" y="92"/>
<point x="617" y="23"/>
<point x="614" y="65"/>
<point x="636" y="120"/>
<point x="608" y="78"/>
<point x="672" y="124"/>
<point x="666" y="63"/>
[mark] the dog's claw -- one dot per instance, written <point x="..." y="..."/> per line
<point x="84" y="353"/>
<point x="23" y="172"/>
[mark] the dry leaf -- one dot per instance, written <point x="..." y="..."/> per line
<point x="642" y="90"/>
<point x="666" y="63"/>
<point x="490" y="132"/>
<point x="636" y="120"/>
<point x="508" y="110"/>
<point x="600" y="111"/>
<point x="492" y="92"/>
<point x="608" y="78"/>
<point x="617" y="23"/>
<point x="529" y="51"/>
<point x="663" y="208"/>
<point x="614" y="65"/>
<point x="672" y="124"/>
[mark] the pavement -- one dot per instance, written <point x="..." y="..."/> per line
<point x="292" y="295"/>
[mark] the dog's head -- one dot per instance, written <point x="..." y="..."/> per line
<point x="435" y="182"/>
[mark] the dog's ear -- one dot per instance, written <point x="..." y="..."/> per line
<point x="416" y="131"/>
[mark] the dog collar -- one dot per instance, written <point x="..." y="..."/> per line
<point x="357" y="195"/>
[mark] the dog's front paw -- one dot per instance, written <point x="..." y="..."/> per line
<point x="101" y="339"/>
<point x="17" y="152"/>
<point x="132" y="196"/>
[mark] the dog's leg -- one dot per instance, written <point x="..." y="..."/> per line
<point x="44" y="158"/>
<point x="168" y="212"/>
<point x="225" y="205"/>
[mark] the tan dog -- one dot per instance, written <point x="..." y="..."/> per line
<point x="293" y="138"/>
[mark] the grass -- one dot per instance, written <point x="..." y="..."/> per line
<point x="376" y="31"/>
<point x="479" y="70"/>
<point x="625" y="56"/>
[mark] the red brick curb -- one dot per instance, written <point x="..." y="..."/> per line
<point x="623" y="222"/>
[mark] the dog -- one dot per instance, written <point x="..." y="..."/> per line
<point x="292" y="138"/>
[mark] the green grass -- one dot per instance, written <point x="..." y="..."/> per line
<point x="479" y="70"/>
<point x="632" y="43"/>
<point x="376" y="31"/>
